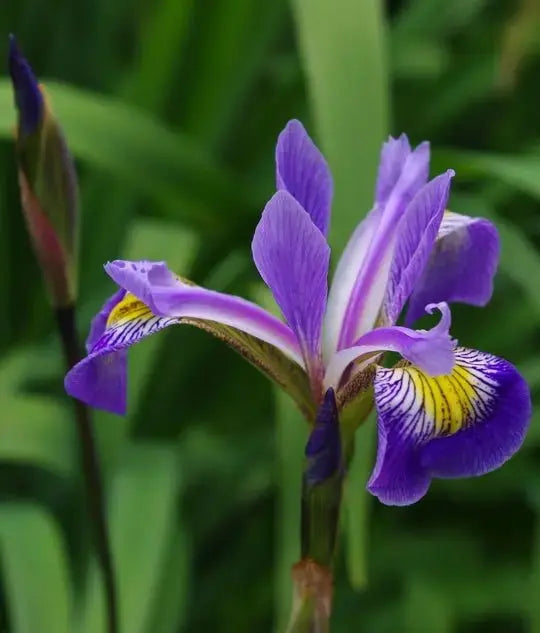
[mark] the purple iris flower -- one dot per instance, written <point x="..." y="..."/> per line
<point x="447" y="411"/>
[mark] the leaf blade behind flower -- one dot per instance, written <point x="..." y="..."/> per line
<point x="126" y="142"/>
<point x="35" y="570"/>
<point x="344" y="54"/>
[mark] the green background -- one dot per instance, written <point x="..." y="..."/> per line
<point x="172" y="109"/>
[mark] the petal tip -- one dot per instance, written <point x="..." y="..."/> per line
<point x="28" y="96"/>
<point x="82" y="383"/>
<point x="91" y="383"/>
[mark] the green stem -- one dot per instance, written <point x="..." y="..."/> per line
<point x="313" y="576"/>
<point x="65" y="318"/>
<point x="321" y="506"/>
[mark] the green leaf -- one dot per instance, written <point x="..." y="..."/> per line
<point x="519" y="258"/>
<point x="171" y="596"/>
<point x="532" y="602"/>
<point x="358" y="505"/>
<point x="520" y="261"/>
<point x="164" y="29"/>
<point x="435" y="18"/>
<point x="137" y="148"/>
<point x="37" y="430"/>
<point x="35" y="570"/>
<point x="141" y="523"/>
<point x="26" y="364"/>
<point x="343" y="50"/>
<point x="521" y="172"/>
<point x="233" y="45"/>
<point x="291" y="437"/>
<point x="432" y="602"/>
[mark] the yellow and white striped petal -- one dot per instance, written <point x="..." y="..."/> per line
<point x="466" y="423"/>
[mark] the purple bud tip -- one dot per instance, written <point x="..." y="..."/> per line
<point x="28" y="97"/>
<point x="323" y="449"/>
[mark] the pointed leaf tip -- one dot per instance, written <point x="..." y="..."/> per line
<point x="28" y="97"/>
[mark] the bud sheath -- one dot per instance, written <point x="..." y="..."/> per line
<point x="47" y="183"/>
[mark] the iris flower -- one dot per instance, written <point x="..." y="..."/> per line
<point x="443" y="411"/>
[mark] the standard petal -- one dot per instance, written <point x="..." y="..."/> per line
<point x="432" y="350"/>
<point x="416" y="236"/>
<point x="394" y="153"/>
<point x="461" y="266"/>
<point x="292" y="257"/>
<point x="344" y="280"/>
<point x="302" y="170"/>
<point x="367" y="271"/>
<point x="467" y="423"/>
<point x="100" y="379"/>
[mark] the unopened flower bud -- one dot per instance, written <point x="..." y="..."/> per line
<point x="323" y="449"/>
<point x="47" y="182"/>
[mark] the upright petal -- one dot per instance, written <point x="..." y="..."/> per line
<point x="302" y="170"/>
<point x="432" y="350"/>
<point x="344" y="280"/>
<point x="465" y="424"/>
<point x="461" y="266"/>
<point x="394" y="153"/>
<point x="416" y="235"/>
<point x="152" y="298"/>
<point x="292" y="257"/>
<point x="367" y="271"/>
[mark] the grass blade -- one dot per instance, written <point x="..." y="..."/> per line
<point x="139" y="551"/>
<point x="343" y="48"/>
<point x="35" y="570"/>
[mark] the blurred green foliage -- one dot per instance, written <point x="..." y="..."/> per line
<point x="172" y="109"/>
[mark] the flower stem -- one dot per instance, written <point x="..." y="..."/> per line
<point x="313" y="585"/>
<point x="65" y="318"/>
<point x="313" y="575"/>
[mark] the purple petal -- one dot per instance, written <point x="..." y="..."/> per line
<point x="302" y="170"/>
<point x="370" y="270"/>
<point x="152" y="298"/>
<point x="323" y="449"/>
<point x="100" y="379"/>
<point x="292" y="257"/>
<point x="28" y="97"/>
<point x="99" y="322"/>
<point x="416" y="235"/>
<point x="461" y="266"/>
<point x="465" y="424"/>
<point x="167" y="296"/>
<point x="344" y="280"/>
<point x="142" y="278"/>
<point x="432" y="350"/>
<point x="394" y="153"/>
